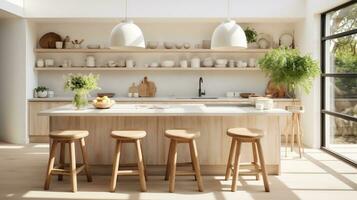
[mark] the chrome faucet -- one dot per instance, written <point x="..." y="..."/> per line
<point x="200" y="91"/>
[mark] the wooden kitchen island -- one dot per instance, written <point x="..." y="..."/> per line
<point x="211" y="120"/>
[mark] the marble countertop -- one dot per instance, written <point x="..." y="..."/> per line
<point x="158" y="99"/>
<point x="163" y="110"/>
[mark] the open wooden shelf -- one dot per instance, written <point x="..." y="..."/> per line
<point x="144" y="69"/>
<point x="149" y="51"/>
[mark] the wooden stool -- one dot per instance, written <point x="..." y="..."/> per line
<point x="64" y="137"/>
<point x="248" y="135"/>
<point x="292" y="128"/>
<point x="128" y="136"/>
<point x="182" y="136"/>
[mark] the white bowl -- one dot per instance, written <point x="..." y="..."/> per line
<point x="221" y="61"/>
<point x="169" y="45"/>
<point x="167" y="63"/>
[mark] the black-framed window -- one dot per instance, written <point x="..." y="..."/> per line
<point x="339" y="81"/>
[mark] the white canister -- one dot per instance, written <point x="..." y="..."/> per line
<point x="40" y="63"/>
<point x="49" y="62"/>
<point x="183" y="63"/>
<point x="129" y="63"/>
<point x="230" y="94"/>
<point x="51" y="94"/>
<point x="259" y="106"/>
<point x="195" y="62"/>
<point x="251" y="62"/>
<point x="90" y="61"/>
<point x="59" y="45"/>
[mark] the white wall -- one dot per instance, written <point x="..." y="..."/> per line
<point x="241" y="9"/>
<point x="13" y="7"/>
<point x="13" y="109"/>
<point x="308" y="37"/>
<point x="182" y="84"/>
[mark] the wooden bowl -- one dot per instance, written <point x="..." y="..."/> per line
<point x="246" y="95"/>
<point x="101" y="105"/>
<point x="108" y="94"/>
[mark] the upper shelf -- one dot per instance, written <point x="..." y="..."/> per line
<point x="106" y="50"/>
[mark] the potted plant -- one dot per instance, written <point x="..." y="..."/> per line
<point x="41" y="91"/>
<point x="288" y="69"/>
<point x="81" y="85"/>
<point x="251" y="35"/>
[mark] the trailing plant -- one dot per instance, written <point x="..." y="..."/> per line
<point x="286" y="67"/>
<point x="251" y="35"/>
<point x="81" y="85"/>
<point x="41" y="89"/>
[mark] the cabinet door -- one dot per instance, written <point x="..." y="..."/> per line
<point x="39" y="125"/>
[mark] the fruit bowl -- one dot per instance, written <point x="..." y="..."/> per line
<point x="103" y="102"/>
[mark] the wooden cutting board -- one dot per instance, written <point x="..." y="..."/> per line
<point x="147" y="88"/>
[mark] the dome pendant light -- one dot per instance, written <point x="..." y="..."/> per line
<point x="228" y="35"/>
<point x="126" y="34"/>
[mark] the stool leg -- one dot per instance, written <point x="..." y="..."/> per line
<point x="192" y="163"/>
<point x="173" y="161"/>
<point x="51" y="162"/>
<point x="298" y="135"/>
<point x="85" y="160"/>
<point x="62" y="159"/>
<point x="145" y="172"/>
<point x="196" y="164"/>
<point x="168" y="165"/>
<point x="255" y="158"/>
<point x="293" y="132"/>
<point x="286" y="133"/>
<point x="72" y="155"/>
<point x="230" y="159"/>
<point x="141" y="166"/>
<point x="236" y="167"/>
<point x="262" y="165"/>
<point x="116" y="159"/>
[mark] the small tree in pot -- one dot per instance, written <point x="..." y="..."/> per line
<point x="289" y="69"/>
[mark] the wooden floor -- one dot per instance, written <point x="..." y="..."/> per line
<point x="317" y="176"/>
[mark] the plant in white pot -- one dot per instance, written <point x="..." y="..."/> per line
<point x="41" y="91"/>
<point x="289" y="69"/>
<point x="81" y="85"/>
<point x="251" y="35"/>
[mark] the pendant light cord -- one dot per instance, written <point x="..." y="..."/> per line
<point x="126" y="10"/>
<point x="229" y="9"/>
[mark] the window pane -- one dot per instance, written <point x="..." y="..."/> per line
<point x="341" y="131"/>
<point x="341" y="55"/>
<point x="341" y="20"/>
<point x="341" y="137"/>
<point x="341" y="95"/>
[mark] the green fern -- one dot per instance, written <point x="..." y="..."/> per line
<point x="286" y="67"/>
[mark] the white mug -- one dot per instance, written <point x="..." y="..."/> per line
<point x="129" y="63"/>
<point x="195" y="62"/>
<point x="40" y="63"/>
<point x="183" y="64"/>
<point x="59" y="45"/>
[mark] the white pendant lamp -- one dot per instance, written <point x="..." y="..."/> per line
<point x="126" y="34"/>
<point x="228" y="35"/>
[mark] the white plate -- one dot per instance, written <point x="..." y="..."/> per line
<point x="265" y="41"/>
<point x="286" y="40"/>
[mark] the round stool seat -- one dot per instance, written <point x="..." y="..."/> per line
<point x="69" y="134"/>
<point x="128" y="134"/>
<point x="245" y="132"/>
<point x="182" y="134"/>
